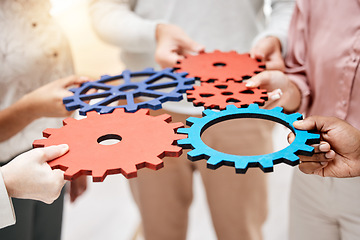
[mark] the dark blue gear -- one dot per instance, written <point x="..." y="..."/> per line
<point x="129" y="91"/>
<point x="215" y="159"/>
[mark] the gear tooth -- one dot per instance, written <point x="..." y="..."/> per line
<point x="253" y="107"/>
<point x="294" y="117"/>
<point x="143" y="111"/>
<point x="182" y="74"/>
<point x="73" y="90"/>
<point x="69" y="99"/>
<point x="191" y="120"/>
<point x="185" y="143"/>
<point x="231" y="107"/>
<point x="130" y="171"/>
<point x="39" y="143"/>
<point x="70" y="106"/>
<point x="132" y="108"/>
<point x="98" y="175"/>
<point x="305" y="150"/>
<point x="179" y="136"/>
<point x="104" y="77"/>
<point x="312" y="138"/>
<point x="149" y="70"/>
<point x="277" y="109"/>
<point x="208" y="112"/>
<point x="173" y="151"/>
<point x="176" y="125"/>
<point x="241" y="165"/>
<point x="291" y="159"/>
<point x="92" y="114"/>
<point x="214" y="162"/>
<point x="154" y="164"/>
<point x="266" y="163"/>
<point x="183" y="130"/>
<point x="119" y="111"/>
<point x="164" y="117"/>
<point x="106" y="109"/>
<point x="69" y="120"/>
<point x="155" y="103"/>
<point x="195" y="155"/>
<point x="71" y="174"/>
<point x="49" y="131"/>
<point x="216" y="51"/>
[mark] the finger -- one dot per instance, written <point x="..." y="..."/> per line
<point x="275" y="95"/>
<point x="74" y="80"/>
<point x="311" y="167"/>
<point x="187" y="44"/>
<point x="52" y="152"/>
<point x="291" y="137"/>
<point x="261" y="50"/>
<point x="276" y="63"/>
<point x="311" y="123"/>
<point x="262" y="78"/>
<point x="166" y="55"/>
<point x="316" y="157"/>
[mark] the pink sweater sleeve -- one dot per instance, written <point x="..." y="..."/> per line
<point x="296" y="59"/>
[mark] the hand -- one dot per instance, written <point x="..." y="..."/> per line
<point x="281" y="91"/>
<point x="338" y="154"/>
<point x="47" y="101"/>
<point x="172" y="44"/>
<point x="77" y="187"/>
<point x="29" y="176"/>
<point x="268" y="49"/>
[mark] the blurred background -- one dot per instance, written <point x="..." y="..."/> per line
<point x="107" y="210"/>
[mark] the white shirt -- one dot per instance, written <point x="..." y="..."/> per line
<point x="224" y="25"/>
<point x="33" y="52"/>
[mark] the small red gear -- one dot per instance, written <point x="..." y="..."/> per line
<point x="220" y="66"/>
<point x="144" y="141"/>
<point x="219" y="95"/>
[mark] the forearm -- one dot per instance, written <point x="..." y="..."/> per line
<point x="15" y="118"/>
<point x="116" y="23"/>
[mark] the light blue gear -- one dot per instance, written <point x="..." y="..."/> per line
<point x="130" y="90"/>
<point x="266" y="162"/>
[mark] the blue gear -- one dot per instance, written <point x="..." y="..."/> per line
<point x="130" y="90"/>
<point x="266" y="162"/>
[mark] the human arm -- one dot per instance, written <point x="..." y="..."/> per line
<point x="116" y="23"/>
<point x="45" y="101"/>
<point x="338" y="154"/>
<point x="270" y="45"/>
<point x="292" y="90"/>
<point x="28" y="176"/>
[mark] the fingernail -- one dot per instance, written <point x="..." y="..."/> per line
<point x="250" y="84"/>
<point x="275" y="96"/>
<point x="64" y="146"/>
<point x="323" y="163"/>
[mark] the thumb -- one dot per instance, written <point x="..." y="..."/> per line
<point x="311" y="123"/>
<point x="52" y="152"/>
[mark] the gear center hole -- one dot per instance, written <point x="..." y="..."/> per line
<point x="246" y="136"/>
<point x="219" y="64"/>
<point x="109" y="139"/>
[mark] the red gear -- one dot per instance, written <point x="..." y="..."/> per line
<point x="144" y="141"/>
<point x="219" y="95"/>
<point x="220" y="66"/>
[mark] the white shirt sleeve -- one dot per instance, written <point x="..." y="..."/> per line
<point x="7" y="214"/>
<point x="279" y="21"/>
<point x="116" y="23"/>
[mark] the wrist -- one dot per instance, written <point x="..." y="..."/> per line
<point x="28" y="108"/>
